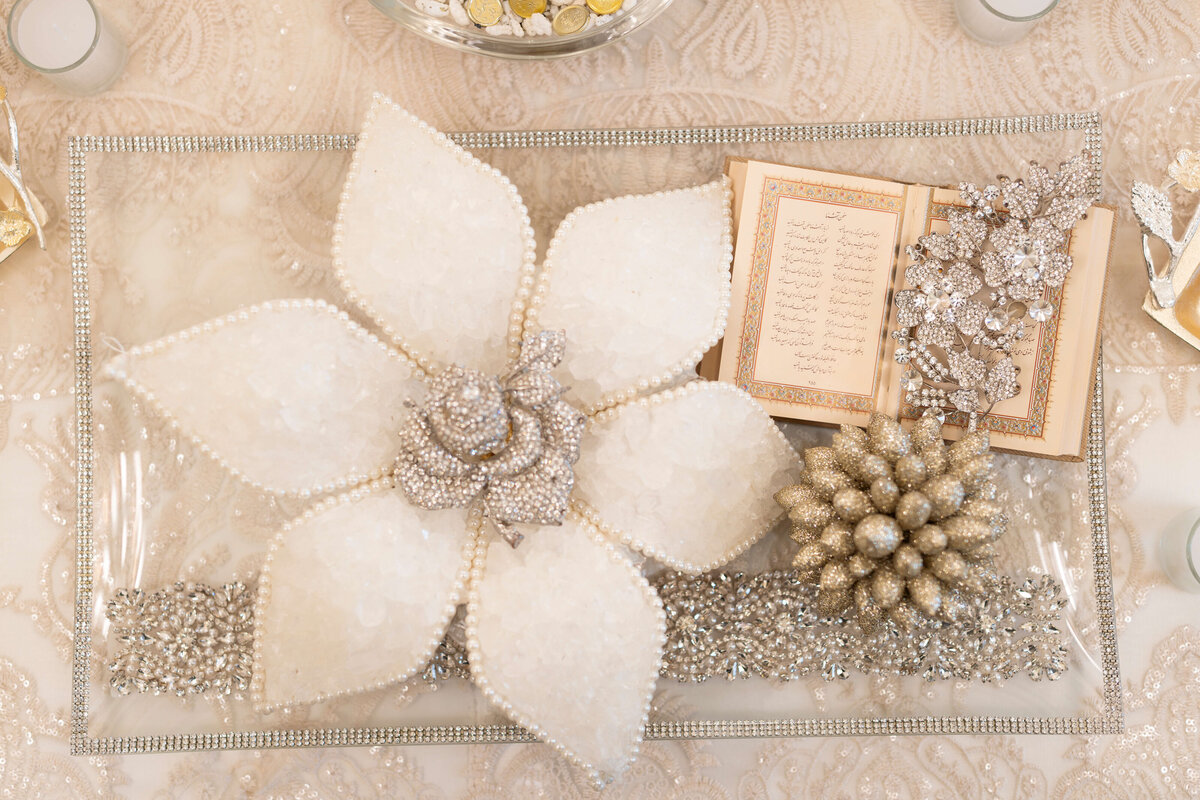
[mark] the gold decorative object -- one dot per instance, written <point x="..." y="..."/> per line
<point x="604" y="6"/>
<point x="485" y="12"/>
<point x="896" y="524"/>
<point x="527" y="8"/>
<point x="570" y="19"/>
<point x="21" y="215"/>
<point x="1174" y="297"/>
<point x="1185" y="170"/>
<point x="15" y="227"/>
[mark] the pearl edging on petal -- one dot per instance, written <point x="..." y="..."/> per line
<point x="426" y="363"/>
<point x="474" y="522"/>
<point x="593" y="516"/>
<point x="475" y="656"/>
<point x="673" y="373"/>
<point x="240" y="315"/>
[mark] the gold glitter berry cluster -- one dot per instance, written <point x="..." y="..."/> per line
<point x="896" y="524"/>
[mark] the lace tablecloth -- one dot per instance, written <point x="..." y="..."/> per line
<point x="247" y="66"/>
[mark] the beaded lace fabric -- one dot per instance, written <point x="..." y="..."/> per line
<point x="207" y="67"/>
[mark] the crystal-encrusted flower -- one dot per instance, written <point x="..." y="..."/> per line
<point x="510" y="441"/>
<point x="414" y="439"/>
<point x="976" y="285"/>
<point x="897" y="525"/>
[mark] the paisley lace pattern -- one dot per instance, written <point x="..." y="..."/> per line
<point x="238" y="66"/>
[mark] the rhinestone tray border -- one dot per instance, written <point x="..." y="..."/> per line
<point x="1110" y="720"/>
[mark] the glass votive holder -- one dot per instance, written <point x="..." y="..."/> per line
<point x="1179" y="551"/>
<point x="1000" y="21"/>
<point x="68" y="41"/>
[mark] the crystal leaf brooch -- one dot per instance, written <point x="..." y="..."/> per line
<point x="981" y="286"/>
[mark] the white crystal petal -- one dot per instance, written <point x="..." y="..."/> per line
<point x="641" y="286"/>
<point x="565" y="636"/>
<point x="290" y="395"/>
<point x="432" y="243"/>
<point x="356" y="595"/>
<point x="686" y="476"/>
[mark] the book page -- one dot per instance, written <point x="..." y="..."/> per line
<point x="1047" y="416"/>
<point x="812" y="278"/>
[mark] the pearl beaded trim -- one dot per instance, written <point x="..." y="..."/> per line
<point x="478" y="664"/>
<point x="431" y="363"/>
<point x="263" y="598"/>
<point x="672" y="374"/>
<point x="590" y="513"/>
<point x="119" y="369"/>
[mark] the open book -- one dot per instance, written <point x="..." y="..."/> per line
<point x="817" y="259"/>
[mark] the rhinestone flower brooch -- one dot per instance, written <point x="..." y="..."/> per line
<point x="980" y="287"/>
<point x="511" y="441"/>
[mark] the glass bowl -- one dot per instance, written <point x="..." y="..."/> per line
<point x="445" y="30"/>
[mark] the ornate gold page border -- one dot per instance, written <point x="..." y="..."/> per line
<point x="774" y="190"/>
<point x="1109" y="720"/>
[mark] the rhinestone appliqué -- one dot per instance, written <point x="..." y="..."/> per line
<point x="187" y="638"/>
<point x="510" y="441"/>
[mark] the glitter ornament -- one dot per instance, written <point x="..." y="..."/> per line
<point x="896" y="525"/>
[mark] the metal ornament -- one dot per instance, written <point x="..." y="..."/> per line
<point x="976" y="285"/>
<point x="24" y="217"/>
<point x="511" y="441"/>
<point x="1153" y="209"/>
<point x="896" y="526"/>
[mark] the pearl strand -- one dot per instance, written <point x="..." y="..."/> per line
<point x="120" y="369"/>
<point x="257" y="693"/>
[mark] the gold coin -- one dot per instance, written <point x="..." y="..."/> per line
<point x="570" y="19"/>
<point x="527" y="8"/>
<point x="3" y="94"/>
<point x="604" y="6"/>
<point x="485" y="12"/>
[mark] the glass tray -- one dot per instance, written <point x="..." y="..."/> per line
<point x="168" y="231"/>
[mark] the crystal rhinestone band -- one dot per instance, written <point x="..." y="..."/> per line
<point x="721" y="624"/>
<point x="769" y="625"/>
<point x="185" y="639"/>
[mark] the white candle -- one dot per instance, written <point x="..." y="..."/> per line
<point x="1000" y="21"/>
<point x="1179" y="550"/>
<point x="68" y="41"/>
